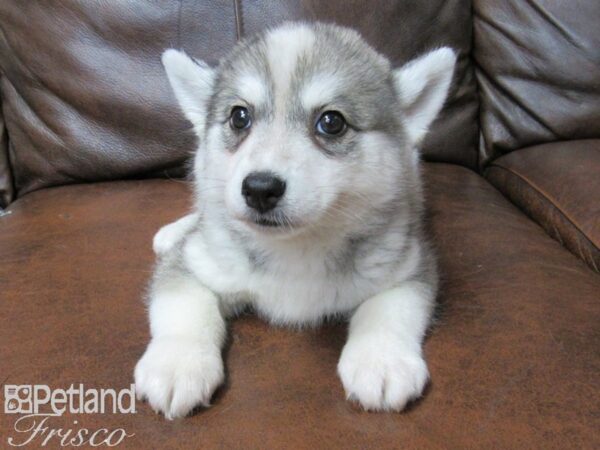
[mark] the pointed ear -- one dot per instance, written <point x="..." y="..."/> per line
<point x="192" y="82"/>
<point x="422" y="86"/>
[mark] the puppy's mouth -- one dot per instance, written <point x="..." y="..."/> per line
<point x="277" y="222"/>
<point x="266" y="222"/>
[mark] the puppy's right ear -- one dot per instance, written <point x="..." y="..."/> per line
<point x="192" y="82"/>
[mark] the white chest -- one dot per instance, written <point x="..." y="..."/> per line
<point x="293" y="289"/>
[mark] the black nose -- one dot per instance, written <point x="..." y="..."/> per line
<point x="262" y="190"/>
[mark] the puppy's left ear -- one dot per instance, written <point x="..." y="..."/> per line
<point x="192" y="82"/>
<point x="422" y="86"/>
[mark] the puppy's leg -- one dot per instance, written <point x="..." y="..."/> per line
<point x="382" y="365"/>
<point x="182" y="365"/>
<point x="168" y="236"/>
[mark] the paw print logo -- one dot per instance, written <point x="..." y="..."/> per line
<point x="17" y="399"/>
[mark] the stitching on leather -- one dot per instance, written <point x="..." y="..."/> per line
<point x="534" y="188"/>
<point x="10" y="193"/>
<point x="237" y="9"/>
<point x="473" y="67"/>
<point x="179" y="24"/>
<point x="540" y="191"/>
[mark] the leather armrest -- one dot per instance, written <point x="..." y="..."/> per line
<point x="558" y="186"/>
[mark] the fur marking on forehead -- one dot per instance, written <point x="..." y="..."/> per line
<point x="285" y="47"/>
<point x="253" y="88"/>
<point x="319" y="90"/>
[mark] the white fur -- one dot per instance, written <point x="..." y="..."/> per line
<point x="381" y="365"/>
<point x="423" y="87"/>
<point x="253" y="88"/>
<point x="319" y="91"/>
<point x="176" y="374"/>
<point x="169" y="235"/>
<point x="192" y="83"/>
<point x="285" y="45"/>
<point x="283" y="152"/>
<point x="327" y="199"/>
<point x="182" y="365"/>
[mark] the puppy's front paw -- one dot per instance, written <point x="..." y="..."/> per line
<point x="177" y="374"/>
<point x="381" y="377"/>
<point x="168" y="236"/>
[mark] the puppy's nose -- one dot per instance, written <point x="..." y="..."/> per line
<point x="262" y="190"/>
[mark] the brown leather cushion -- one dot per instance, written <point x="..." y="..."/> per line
<point x="558" y="185"/>
<point x="513" y="357"/>
<point x="85" y="96"/>
<point x="538" y="69"/>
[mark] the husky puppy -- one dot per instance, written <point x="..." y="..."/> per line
<point x="308" y="205"/>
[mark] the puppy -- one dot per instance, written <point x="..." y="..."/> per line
<point x="308" y="205"/>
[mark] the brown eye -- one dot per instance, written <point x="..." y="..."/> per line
<point x="240" y="118"/>
<point x="331" y="123"/>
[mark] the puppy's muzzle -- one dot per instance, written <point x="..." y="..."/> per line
<point x="262" y="191"/>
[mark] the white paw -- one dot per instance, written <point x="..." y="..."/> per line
<point x="381" y="377"/>
<point x="163" y="241"/>
<point x="168" y="236"/>
<point x="177" y="374"/>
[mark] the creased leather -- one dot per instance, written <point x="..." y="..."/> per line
<point x="6" y="188"/>
<point x="538" y="70"/>
<point x="87" y="99"/>
<point x="85" y="95"/>
<point x="558" y="185"/>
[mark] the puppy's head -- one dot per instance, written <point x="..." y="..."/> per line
<point x="306" y="126"/>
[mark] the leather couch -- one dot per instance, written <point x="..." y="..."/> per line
<point x="93" y="157"/>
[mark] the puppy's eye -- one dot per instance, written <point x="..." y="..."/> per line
<point x="331" y="123"/>
<point x="240" y="118"/>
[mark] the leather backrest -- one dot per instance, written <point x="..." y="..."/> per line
<point x="85" y="97"/>
<point x="538" y="69"/>
<point x="6" y="186"/>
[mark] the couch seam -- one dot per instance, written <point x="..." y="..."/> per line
<point x="237" y="10"/>
<point x="544" y="196"/>
<point x="179" y="25"/>
<point x="11" y="179"/>
<point x="473" y="63"/>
